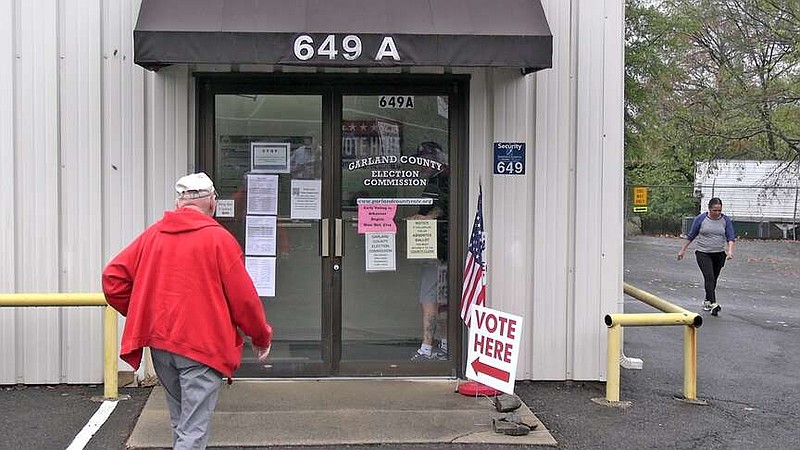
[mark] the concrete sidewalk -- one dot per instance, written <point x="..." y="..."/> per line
<point x="340" y="412"/>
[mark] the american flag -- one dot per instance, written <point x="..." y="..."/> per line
<point x="474" y="290"/>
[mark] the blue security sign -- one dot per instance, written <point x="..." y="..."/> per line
<point x="509" y="158"/>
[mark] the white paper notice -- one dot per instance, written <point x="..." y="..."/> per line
<point x="262" y="271"/>
<point x="380" y="252"/>
<point x="421" y="239"/>
<point x="225" y="208"/>
<point x="262" y="194"/>
<point x="260" y="235"/>
<point x="272" y="157"/>
<point x="306" y="199"/>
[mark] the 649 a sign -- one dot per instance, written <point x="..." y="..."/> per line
<point x="493" y="350"/>
<point x="509" y="158"/>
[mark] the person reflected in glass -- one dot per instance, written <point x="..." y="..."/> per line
<point x="433" y="275"/>
<point x="712" y="233"/>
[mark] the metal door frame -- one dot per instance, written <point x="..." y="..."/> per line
<point x="332" y="88"/>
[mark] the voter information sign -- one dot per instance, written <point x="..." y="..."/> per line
<point x="493" y="351"/>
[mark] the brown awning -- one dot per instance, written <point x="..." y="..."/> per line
<point x="344" y="33"/>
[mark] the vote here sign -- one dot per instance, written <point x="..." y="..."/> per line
<point x="494" y="348"/>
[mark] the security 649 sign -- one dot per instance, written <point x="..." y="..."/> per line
<point x="509" y="158"/>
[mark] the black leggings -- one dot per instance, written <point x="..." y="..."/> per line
<point x="711" y="265"/>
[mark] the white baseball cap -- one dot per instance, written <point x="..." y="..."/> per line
<point x="195" y="185"/>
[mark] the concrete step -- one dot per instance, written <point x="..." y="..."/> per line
<point x="340" y="412"/>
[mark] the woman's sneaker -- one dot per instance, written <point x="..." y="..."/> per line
<point x="715" y="308"/>
<point x="418" y="356"/>
<point x="437" y="354"/>
<point x="707" y="305"/>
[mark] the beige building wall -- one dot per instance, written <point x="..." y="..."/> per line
<point x="91" y="145"/>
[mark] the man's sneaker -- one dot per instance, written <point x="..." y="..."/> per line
<point x="715" y="308"/>
<point x="707" y="305"/>
<point x="439" y="354"/>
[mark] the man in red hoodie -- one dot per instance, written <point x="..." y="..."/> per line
<point x="183" y="287"/>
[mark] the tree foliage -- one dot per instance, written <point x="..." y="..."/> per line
<point x="707" y="80"/>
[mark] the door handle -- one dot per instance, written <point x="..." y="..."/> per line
<point x="338" y="237"/>
<point x="324" y="244"/>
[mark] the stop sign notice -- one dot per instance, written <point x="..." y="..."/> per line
<point x="493" y="348"/>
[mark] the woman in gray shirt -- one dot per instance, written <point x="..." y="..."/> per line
<point x="713" y="235"/>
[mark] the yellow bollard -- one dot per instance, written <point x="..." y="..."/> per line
<point x="612" y="378"/>
<point x="612" y="375"/>
<point x="690" y="363"/>
<point x="110" y="376"/>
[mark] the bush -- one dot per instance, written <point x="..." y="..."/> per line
<point x="658" y="224"/>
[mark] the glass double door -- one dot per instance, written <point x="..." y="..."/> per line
<point x="341" y="203"/>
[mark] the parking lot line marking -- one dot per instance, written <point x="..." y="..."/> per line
<point x="94" y="424"/>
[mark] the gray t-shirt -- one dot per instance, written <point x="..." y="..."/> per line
<point x="711" y="238"/>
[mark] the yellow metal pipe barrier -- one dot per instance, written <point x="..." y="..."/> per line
<point x="656" y="302"/>
<point x="58" y="299"/>
<point x="110" y="367"/>
<point x="671" y="315"/>
<point x="653" y="319"/>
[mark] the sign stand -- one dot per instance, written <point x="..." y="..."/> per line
<point x="475" y="389"/>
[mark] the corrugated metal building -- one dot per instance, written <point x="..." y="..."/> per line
<point x="92" y="144"/>
<point x="753" y="191"/>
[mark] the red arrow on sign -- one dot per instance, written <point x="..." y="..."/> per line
<point x="492" y="371"/>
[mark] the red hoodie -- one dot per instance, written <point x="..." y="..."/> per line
<point x="183" y="287"/>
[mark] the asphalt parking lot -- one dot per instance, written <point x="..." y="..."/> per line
<point x="748" y="362"/>
<point x="747" y="359"/>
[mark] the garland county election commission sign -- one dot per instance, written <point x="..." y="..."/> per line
<point x="493" y="349"/>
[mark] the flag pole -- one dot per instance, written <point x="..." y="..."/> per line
<point x="473" y="291"/>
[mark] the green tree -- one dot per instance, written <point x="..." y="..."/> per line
<point x="707" y="80"/>
<point x="741" y="88"/>
<point x="654" y="151"/>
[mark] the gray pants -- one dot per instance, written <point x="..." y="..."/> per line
<point x="191" y="390"/>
